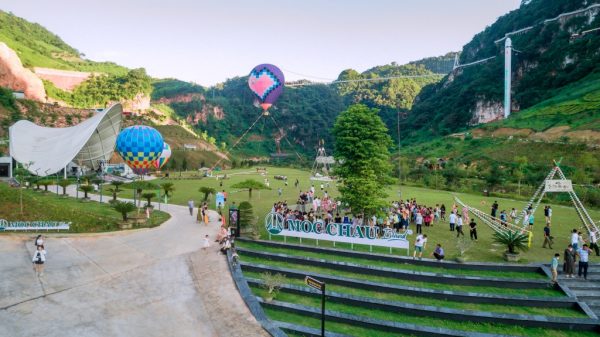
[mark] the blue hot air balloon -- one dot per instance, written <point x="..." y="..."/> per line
<point x="140" y="146"/>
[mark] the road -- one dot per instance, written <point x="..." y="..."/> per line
<point x="151" y="282"/>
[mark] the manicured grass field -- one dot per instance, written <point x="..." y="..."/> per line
<point x="420" y="320"/>
<point x="521" y="310"/>
<point x="406" y="266"/>
<point x="548" y="292"/>
<point x="564" y="218"/>
<point x="86" y="217"/>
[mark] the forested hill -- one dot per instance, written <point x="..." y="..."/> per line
<point x="551" y="53"/>
<point x="304" y="114"/>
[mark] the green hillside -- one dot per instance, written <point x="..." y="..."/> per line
<point x="38" y="47"/>
<point x="547" y="59"/>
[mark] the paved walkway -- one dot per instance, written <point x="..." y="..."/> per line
<point x="155" y="282"/>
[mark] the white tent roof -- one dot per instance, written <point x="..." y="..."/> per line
<point x="49" y="150"/>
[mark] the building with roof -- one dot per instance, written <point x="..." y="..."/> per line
<point x="46" y="151"/>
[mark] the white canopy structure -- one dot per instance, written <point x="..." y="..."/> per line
<point x="45" y="151"/>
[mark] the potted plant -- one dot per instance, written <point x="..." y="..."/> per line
<point x="149" y="196"/>
<point x="514" y="242"/>
<point x="124" y="208"/>
<point x="272" y="284"/>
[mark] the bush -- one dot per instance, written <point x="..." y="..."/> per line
<point x="513" y="241"/>
<point x="123" y="208"/>
<point x="272" y="283"/>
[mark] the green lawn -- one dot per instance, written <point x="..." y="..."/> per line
<point x="86" y="217"/>
<point x="419" y="320"/>
<point x="549" y="292"/>
<point x="424" y="300"/>
<point x="405" y="266"/>
<point x="564" y="219"/>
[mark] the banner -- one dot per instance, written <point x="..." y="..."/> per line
<point x="559" y="186"/>
<point x="337" y="232"/>
<point x="6" y="225"/>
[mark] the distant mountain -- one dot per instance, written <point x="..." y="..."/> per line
<point x="551" y="52"/>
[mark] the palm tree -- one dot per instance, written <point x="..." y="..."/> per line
<point x="168" y="188"/>
<point x="64" y="183"/>
<point x="251" y="184"/>
<point x="148" y="196"/>
<point x="513" y="240"/>
<point x="207" y="191"/>
<point x="86" y="189"/>
<point x="123" y="208"/>
<point x="45" y="183"/>
<point x="114" y="190"/>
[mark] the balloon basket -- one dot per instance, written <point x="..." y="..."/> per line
<point x="265" y="113"/>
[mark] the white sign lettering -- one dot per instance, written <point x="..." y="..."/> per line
<point x="337" y="232"/>
<point x="6" y="225"/>
<point x="559" y="186"/>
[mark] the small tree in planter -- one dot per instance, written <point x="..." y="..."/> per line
<point x="64" y="183"/>
<point x="251" y="184"/>
<point x="207" y="191"/>
<point x="86" y="189"/>
<point x="246" y="217"/>
<point x="124" y="208"/>
<point x="272" y="284"/>
<point x="148" y="196"/>
<point x="514" y="242"/>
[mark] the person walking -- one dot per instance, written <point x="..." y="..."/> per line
<point x="513" y="214"/>
<point x="420" y="242"/>
<point x="38" y="260"/>
<point x="419" y="223"/>
<point x="494" y="208"/>
<point x="443" y="212"/>
<point x="554" y="267"/>
<point x="191" y="207"/>
<point x="575" y="239"/>
<point x="549" y="220"/>
<point x="594" y="242"/>
<point x="205" y="243"/>
<point x="531" y="220"/>
<point x="452" y="221"/>
<point x="547" y="238"/>
<point x="584" y="254"/>
<point x="459" y="226"/>
<point x="473" y="230"/>
<point x="569" y="264"/>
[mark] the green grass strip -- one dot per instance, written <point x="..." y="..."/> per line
<point x="498" y="308"/>
<point x="386" y="264"/>
<point x="425" y="321"/>
<point x="549" y="292"/>
<point x="315" y="323"/>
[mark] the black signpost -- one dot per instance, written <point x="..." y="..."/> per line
<point x="319" y="285"/>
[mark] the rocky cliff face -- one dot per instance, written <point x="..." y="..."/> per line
<point x="62" y="79"/>
<point x="140" y="102"/>
<point x="202" y="116"/>
<point x="17" y="78"/>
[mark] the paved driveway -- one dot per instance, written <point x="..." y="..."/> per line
<point x="155" y="282"/>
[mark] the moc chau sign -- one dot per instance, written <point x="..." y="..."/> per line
<point x="336" y="232"/>
<point x="6" y="225"/>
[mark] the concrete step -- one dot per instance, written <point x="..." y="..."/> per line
<point x="580" y="284"/>
<point x="586" y="293"/>
<point x="595" y="309"/>
<point x="592" y="301"/>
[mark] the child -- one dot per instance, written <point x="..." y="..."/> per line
<point x="206" y="242"/>
<point x="554" y="267"/>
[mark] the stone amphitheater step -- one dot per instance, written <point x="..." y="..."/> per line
<point x="592" y="301"/>
<point x="586" y="293"/>
<point x="574" y="284"/>
<point x="595" y="309"/>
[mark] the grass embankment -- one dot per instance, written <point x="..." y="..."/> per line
<point x="564" y="218"/>
<point x="412" y="319"/>
<point x="394" y="265"/>
<point x="86" y="217"/>
<point x="549" y="292"/>
<point x="507" y="309"/>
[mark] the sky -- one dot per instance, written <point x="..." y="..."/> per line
<point x="208" y="42"/>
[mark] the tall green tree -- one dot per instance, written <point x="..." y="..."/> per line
<point x="519" y="171"/>
<point x="362" y="149"/>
